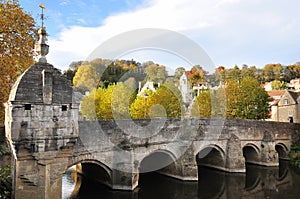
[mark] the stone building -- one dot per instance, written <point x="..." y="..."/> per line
<point x="41" y="119"/>
<point x="148" y="86"/>
<point x="288" y="107"/>
<point x="275" y="96"/>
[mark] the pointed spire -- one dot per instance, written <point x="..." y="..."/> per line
<point x="41" y="47"/>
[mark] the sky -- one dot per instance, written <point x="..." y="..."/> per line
<point x="230" y="32"/>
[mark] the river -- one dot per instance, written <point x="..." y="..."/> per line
<point x="258" y="182"/>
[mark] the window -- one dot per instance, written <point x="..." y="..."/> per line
<point x="286" y="102"/>
<point x="64" y="107"/>
<point x="27" y="107"/>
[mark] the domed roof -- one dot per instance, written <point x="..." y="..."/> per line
<point x="30" y="86"/>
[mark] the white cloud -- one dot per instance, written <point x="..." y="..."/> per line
<point x="232" y="31"/>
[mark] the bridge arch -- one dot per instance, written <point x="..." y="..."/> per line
<point x="282" y="150"/>
<point x="94" y="170"/>
<point x="211" y="156"/>
<point x="157" y="160"/>
<point x="251" y="153"/>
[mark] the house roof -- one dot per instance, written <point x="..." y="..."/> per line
<point x="276" y="93"/>
<point x="275" y="102"/>
<point x="295" y="95"/>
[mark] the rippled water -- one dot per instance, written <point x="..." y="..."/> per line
<point x="258" y="182"/>
<point x="68" y="185"/>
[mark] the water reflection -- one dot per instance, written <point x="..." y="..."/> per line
<point x="258" y="182"/>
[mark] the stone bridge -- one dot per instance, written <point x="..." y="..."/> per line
<point x="47" y="138"/>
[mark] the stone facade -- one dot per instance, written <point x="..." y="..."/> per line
<point x="288" y="107"/>
<point x="41" y="122"/>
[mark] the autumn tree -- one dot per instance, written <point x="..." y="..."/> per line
<point x="112" y="102"/>
<point x="141" y="106"/>
<point x="86" y="78"/>
<point x="121" y="100"/>
<point x="17" y="38"/>
<point x="169" y="97"/>
<point x="233" y="98"/>
<point x="202" y="107"/>
<point x="164" y="102"/>
<point x="196" y="74"/>
<point x="218" y="103"/>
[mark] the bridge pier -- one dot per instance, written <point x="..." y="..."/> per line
<point x="185" y="168"/>
<point x="33" y="179"/>
<point x="125" y="171"/>
<point x="269" y="155"/>
<point x="235" y="162"/>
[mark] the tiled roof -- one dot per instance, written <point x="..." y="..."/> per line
<point x="275" y="93"/>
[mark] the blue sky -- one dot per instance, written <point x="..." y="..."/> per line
<point x="252" y="32"/>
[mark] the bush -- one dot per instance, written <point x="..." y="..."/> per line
<point x="295" y="155"/>
<point x="5" y="182"/>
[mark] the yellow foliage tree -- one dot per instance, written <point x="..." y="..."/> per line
<point x="202" y="107"/>
<point x="17" y="38"/>
<point x="86" y="78"/>
<point x="112" y="102"/>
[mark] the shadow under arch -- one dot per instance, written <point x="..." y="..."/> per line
<point x="157" y="177"/>
<point x="86" y="172"/>
<point x="251" y="153"/>
<point x="282" y="151"/>
<point x="211" y="162"/>
<point x="159" y="161"/>
<point x="211" y="156"/>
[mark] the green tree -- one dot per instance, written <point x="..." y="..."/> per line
<point x="218" y="103"/>
<point x="248" y="72"/>
<point x="234" y="73"/>
<point x="278" y="85"/>
<point x="86" y="78"/>
<point x="254" y="100"/>
<point x="273" y="72"/>
<point x="17" y="38"/>
<point x="156" y="73"/>
<point x="291" y="72"/>
<point x="295" y="154"/>
<point x="178" y="73"/>
<point x="69" y="74"/>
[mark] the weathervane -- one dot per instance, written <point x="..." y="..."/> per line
<point x="41" y="47"/>
<point x="42" y="15"/>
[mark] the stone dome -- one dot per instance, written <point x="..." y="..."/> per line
<point x="42" y="84"/>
